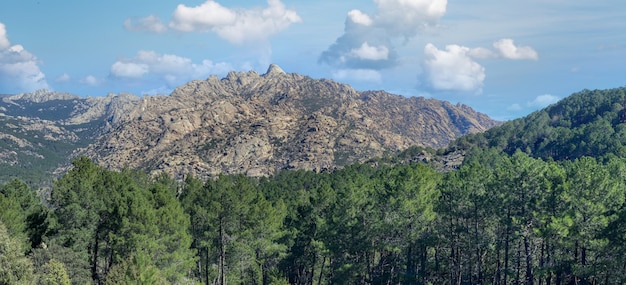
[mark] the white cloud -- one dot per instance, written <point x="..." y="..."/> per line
<point x="235" y="25"/>
<point x="367" y="75"/>
<point x="4" y="40"/>
<point x="19" y="69"/>
<point x="408" y="17"/>
<point x="481" y="53"/>
<point x="63" y="78"/>
<point x="367" y="52"/>
<point x="507" y="49"/>
<point x="201" y="18"/>
<point x="543" y="101"/>
<point x="394" y="22"/>
<point x="360" y="18"/>
<point x="173" y="69"/>
<point x="129" y="69"/>
<point x="90" y="80"/>
<point x="151" y="24"/>
<point x="453" y="69"/>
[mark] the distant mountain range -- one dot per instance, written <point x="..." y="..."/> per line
<point x="243" y="123"/>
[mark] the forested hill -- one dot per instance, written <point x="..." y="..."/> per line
<point x="587" y="123"/>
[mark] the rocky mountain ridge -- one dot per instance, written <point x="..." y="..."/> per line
<point x="260" y="124"/>
<point x="250" y="123"/>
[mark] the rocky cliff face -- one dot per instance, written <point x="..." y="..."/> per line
<point x="259" y="124"/>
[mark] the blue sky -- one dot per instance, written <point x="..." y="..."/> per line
<point x="504" y="58"/>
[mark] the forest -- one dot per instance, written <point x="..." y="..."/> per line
<point x="539" y="200"/>
<point x="498" y="219"/>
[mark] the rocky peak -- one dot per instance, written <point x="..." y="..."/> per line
<point x="274" y="69"/>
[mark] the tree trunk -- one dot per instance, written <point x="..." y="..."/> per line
<point x="424" y="260"/>
<point x="410" y="264"/>
<point x="94" y="262"/>
<point x="206" y="265"/>
<point x="518" y="263"/>
<point x="529" y="260"/>
<point x="497" y="275"/>
<point x="479" y="264"/>
<point x="506" y="246"/>
<point x="319" y="280"/>
<point x="222" y="257"/>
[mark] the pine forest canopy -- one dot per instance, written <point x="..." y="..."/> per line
<point x="498" y="219"/>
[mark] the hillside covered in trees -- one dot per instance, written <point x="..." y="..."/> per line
<point x="527" y="206"/>
<point x="587" y="123"/>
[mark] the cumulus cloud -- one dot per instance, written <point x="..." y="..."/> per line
<point x="360" y="18"/>
<point x="129" y="69"/>
<point x="482" y="53"/>
<point x="456" y="68"/>
<point x="368" y="52"/>
<point x="235" y="25"/>
<point x="367" y="75"/>
<point x="90" y="80"/>
<point x="392" y="20"/>
<point x="173" y="69"/>
<point x="150" y="24"/>
<point x="543" y="101"/>
<point x="507" y="49"/>
<point x="19" y="69"/>
<point x="453" y="69"/>
<point x="202" y="18"/>
<point x="408" y="17"/>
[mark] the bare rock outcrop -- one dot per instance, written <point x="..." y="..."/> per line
<point x="260" y="124"/>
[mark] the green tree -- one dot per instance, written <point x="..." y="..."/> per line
<point x="136" y="269"/>
<point x="106" y="217"/>
<point x="406" y="197"/>
<point x="234" y="228"/>
<point x="593" y="198"/>
<point x="15" y="267"/>
<point x="307" y="197"/>
<point x="22" y="212"/>
<point x="54" y="273"/>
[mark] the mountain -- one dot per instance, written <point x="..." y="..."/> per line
<point x="587" y="123"/>
<point x="39" y="131"/>
<point x="260" y="124"/>
<point x="243" y="123"/>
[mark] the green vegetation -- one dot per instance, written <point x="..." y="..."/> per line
<point x="519" y="210"/>
<point x="29" y="156"/>
<point x="498" y="219"/>
<point x="588" y="123"/>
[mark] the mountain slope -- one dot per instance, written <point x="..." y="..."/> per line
<point x="259" y="124"/>
<point x="39" y="131"/>
<point x="587" y="123"/>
